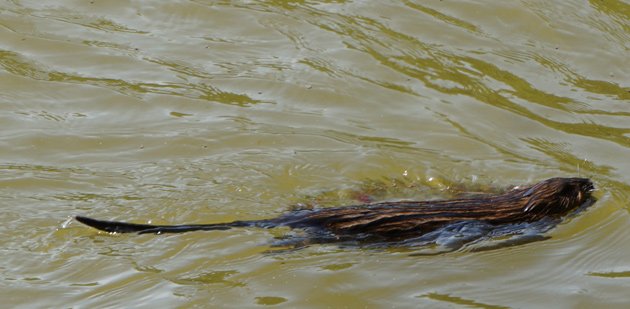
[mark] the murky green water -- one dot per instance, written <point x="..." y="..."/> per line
<point x="207" y="111"/>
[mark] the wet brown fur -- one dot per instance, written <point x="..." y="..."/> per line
<point x="553" y="197"/>
<point x="398" y="220"/>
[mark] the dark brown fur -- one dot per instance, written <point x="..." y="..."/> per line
<point x="392" y="221"/>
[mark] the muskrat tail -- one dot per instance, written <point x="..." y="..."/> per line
<point x="124" y="227"/>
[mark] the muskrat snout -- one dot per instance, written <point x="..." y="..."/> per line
<point x="588" y="186"/>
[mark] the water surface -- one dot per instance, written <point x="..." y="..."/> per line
<point x="207" y="111"/>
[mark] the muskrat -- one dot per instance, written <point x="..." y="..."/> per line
<point x="402" y="220"/>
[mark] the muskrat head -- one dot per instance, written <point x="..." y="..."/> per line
<point x="557" y="195"/>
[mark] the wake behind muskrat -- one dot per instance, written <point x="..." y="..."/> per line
<point x="395" y="222"/>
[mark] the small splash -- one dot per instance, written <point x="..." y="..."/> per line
<point x="66" y="223"/>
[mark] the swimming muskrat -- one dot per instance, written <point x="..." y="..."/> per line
<point x="403" y="220"/>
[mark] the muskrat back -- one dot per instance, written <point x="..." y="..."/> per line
<point x="395" y="221"/>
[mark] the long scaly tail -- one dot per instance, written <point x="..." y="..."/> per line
<point x="124" y="227"/>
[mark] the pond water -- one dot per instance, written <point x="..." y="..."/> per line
<point x="209" y="111"/>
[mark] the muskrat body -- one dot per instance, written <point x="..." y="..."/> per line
<point x="398" y="221"/>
